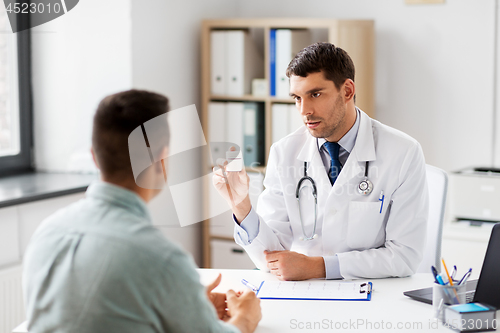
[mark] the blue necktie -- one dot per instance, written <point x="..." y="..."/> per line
<point x="335" y="167"/>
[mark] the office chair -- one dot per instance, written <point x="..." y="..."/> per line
<point x="437" y="182"/>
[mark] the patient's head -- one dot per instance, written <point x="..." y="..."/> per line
<point x="116" y="117"/>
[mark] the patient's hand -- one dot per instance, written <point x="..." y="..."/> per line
<point x="218" y="299"/>
<point x="293" y="266"/>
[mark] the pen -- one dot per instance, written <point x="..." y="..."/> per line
<point x="439" y="307"/>
<point x="439" y="280"/>
<point x="381" y="199"/>
<point x="454" y="272"/>
<point x="447" y="274"/>
<point x="249" y="285"/>
<point x="449" y="279"/>
<point x="435" y="273"/>
<point x="465" y="277"/>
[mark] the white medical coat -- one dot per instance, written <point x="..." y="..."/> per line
<point x="368" y="243"/>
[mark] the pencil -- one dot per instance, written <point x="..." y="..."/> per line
<point x="447" y="274"/>
<point x="451" y="281"/>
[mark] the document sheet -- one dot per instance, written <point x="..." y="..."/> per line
<point x="316" y="289"/>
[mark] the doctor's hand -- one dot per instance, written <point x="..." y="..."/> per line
<point x="233" y="186"/>
<point x="293" y="266"/>
<point x="217" y="299"/>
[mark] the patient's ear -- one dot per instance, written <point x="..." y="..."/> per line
<point x="93" y="157"/>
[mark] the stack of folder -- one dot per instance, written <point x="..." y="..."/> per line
<point x="284" y="45"/>
<point x="235" y="62"/>
<point x="286" y="119"/>
<point x="237" y="124"/>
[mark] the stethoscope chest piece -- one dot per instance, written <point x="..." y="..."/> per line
<point x="365" y="187"/>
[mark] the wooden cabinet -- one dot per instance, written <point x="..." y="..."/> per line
<point x="354" y="36"/>
<point x="226" y="254"/>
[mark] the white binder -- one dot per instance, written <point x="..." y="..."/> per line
<point x="280" y="118"/>
<point x="295" y="120"/>
<point x="243" y="62"/>
<point x="218" y="62"/>
<point x="234" y="123"/>
<point x="286" y="120"/>
<point x="217" y="129"/>
<point x="288" y="44"/>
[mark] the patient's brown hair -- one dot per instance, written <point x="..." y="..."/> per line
<point x="116" y="117"/>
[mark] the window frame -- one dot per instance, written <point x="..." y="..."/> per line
<point x="23" y="161"/>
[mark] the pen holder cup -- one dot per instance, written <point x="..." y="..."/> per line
<point x="446" y="295"/>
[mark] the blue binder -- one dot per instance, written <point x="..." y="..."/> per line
<point x="272" y="62"/>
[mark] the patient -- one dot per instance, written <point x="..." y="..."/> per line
<point x="99" y="265"/>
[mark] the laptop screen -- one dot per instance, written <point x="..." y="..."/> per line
<point x="488" y="286"/>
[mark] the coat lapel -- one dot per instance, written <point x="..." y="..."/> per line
<point x="316" y="170"/>
<point x="364" y="150"/>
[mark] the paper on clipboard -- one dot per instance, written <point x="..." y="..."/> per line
<point x="315" y="290"/>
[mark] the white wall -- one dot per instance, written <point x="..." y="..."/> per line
<point x="78" y="59"/>
<point x="434" y="69"/>
<point x="434" y="72"/>
<point x="166" y="45"/>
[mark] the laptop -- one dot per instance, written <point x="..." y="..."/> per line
<point x="484" y="290"/>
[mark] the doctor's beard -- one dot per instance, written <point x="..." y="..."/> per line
<point x="330" y="126"/>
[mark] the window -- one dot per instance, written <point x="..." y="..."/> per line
<point x="15" y="99"/>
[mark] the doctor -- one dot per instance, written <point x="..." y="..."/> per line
<point x="370" y="183"/>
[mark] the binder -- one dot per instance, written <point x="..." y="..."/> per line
<point x="217" y="130"/>
<point x="280" y="118"/>
<point x="234" y="124"/>
<point x="316" y="290"/>
<point x="295" y="118"/>
<point x="272" y="62"/>
<point x="237" y="124"/>
<point x="243" y="62"/>
<point x="254" y="132"/>
<point x="286" y="119"/>
<point x="218" y="62"/>
<point x="288" y="44"/>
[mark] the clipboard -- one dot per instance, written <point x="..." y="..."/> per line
<point x="316" y="290"/>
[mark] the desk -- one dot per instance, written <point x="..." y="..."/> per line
<point x="389" y="310"/>
<point x="388" y="307"/>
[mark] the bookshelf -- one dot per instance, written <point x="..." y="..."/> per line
<point x="354" y="36"/>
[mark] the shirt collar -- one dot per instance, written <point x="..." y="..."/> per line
<point x="349" y="139"/>
<point x="119" y="196"/>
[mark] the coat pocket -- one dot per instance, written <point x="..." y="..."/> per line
<point x="364" y="226"/>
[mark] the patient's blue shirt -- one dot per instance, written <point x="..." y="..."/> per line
<point x="99" y="265"/>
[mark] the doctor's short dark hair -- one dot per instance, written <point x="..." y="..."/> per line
<point x="116" y="117"/>
<point x="334" y="62"/>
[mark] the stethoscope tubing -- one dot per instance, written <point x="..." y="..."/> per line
<point x="366" y="191"/>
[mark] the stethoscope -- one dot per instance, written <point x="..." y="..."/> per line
<point x="365" y="187"/>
